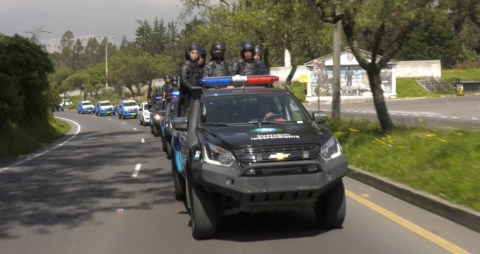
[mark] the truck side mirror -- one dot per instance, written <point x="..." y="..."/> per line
<point x="319" y="117"/>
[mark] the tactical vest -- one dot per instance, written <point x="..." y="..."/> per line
<point x="248" y="68"/>
<point x="220" y="70"/>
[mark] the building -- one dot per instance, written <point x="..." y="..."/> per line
<point x="354" y="81"/>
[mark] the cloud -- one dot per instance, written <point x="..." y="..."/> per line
<point x="83" y="17"/>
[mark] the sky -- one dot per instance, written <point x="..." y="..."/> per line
<point x="83" y="17"/>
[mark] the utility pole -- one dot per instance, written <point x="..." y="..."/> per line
<point x="37" y="31"/>
<point x="337" y="48"/>
<point x="106" y="62"/>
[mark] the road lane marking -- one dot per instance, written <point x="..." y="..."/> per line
<point x="109" y="118"/>
<point x="143" y="140"/>
<point x="404" y="114"/>
<point x="407" y="224"/>
<point x="123" y="122"/>
<point x="474" y="118"/>
<point x="136" y="170"/>
<point x="429" y="115"/>
<point x="394" y="113"/>
<point x="454" y="117"/>
<point x="443" y="116"/>
<point x="55" y="147"/>
<point x="135" y="128"/>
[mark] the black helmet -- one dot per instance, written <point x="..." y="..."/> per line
<point x="246" y="45"/>
<point x="218" y="46"/>
<point x="175" y="78"/>
<point x="190" y="48"/>
<point x="203" y="53"/>
<point x="157" y="90"/>
<point x="167" y="76"/>
<point x="259" y="51"/>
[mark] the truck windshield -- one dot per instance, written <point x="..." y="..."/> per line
<point x="106" y="104"/>
<point x="245" y="108"/>
<point x="129" y="103"/>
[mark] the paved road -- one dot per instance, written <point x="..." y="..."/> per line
<point x="447" y="112"/>
<point x="67" y="199"/>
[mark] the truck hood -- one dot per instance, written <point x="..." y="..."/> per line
<point x="233" y="137"/>
<point x="131" y="107"/>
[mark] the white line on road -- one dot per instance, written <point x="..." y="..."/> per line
<point x="57" y="146"/>
<point x="394" y="113"/>
<point x="136" y="170"/>
<point x="405" y="114"/>
<point x="123" y="122"/>
<point x="454" y="117"/>
<point x="109" y="118"/>
<point x="355" y="111"/>
<point x="474" y="118"/>
<point x="429" y="115"/>
<point x="443" y="116"/>
<point x="135" y="128"/>
<point x="143" y="140"/>
<point x="364" y="111"/>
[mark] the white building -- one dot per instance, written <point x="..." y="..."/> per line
<point x="354" y="81"/>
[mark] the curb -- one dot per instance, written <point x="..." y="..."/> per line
<point x="456" y="213"/>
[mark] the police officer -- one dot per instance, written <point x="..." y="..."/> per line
<point x="258" y="56"/>
<point x="201" y="67"/>
<point x="187" y="75"/>
<point x="247" y="65"/>
<point x="217" y="66"/>
<point x="174" y="86"/>
<point x="158" y="93"/>
<point x="166" y="86"/>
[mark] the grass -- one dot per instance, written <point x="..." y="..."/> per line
<point x="443" y="163"/>
<point x="407" y="88"/>
<point x="297" y="90"/>
<point x="19" y="140"/>
<point x="463" y="74"/>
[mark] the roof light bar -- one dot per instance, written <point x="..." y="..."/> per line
<point x="175" y="93"/>
<point x="237" y="80"/>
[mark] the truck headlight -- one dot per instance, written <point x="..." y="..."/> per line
<point x="331" y="149"/>
<point x="217" y="156"/>
<point x="157" y="117"/>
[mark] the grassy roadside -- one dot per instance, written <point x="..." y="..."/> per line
<point x="408" y="88"/>
<point x="463" y="74"/>
<point x="444" y="163"/>
<point x="17" y="140"/>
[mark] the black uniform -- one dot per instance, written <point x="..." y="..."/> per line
<point x="201" y="68"/>
<point x="187" y="77"/>
<point x="248" y="67"/>
<point x="218" y="67"/>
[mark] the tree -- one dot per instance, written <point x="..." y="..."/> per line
<point x="390" y="22"/>
<point x="151" y="39"/>
<point x="91" y="51"/>
<point x="78" y="55"/>
<point x="24" y="70"/>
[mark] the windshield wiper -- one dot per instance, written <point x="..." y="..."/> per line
<point x="217" y="124"/>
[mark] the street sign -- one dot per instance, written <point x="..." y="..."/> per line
<point x="303" y="79"/>
<point x="318" y="66"/>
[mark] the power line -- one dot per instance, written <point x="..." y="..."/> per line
<point x="37" y="31"/>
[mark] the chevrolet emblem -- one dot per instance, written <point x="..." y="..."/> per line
<point x="279" y="156"/>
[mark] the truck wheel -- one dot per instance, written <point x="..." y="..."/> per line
<point x="179" y="183"/>
<point x="155" y="131"/>
<point x="169" y="151"/>
<point x="330" y="207"/>
<point x="164" y="144"/>
<point x="124" y="117"/>
<point x="203" y="212"/>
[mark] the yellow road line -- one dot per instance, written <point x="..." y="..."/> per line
<point x="409" y="225"/>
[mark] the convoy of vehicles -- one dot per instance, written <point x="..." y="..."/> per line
<point x="242" y="146"/>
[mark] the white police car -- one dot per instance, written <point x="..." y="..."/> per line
<point x="144" y="114"/>
<point x="85" y="107"/>
<point x="104" y="108"/>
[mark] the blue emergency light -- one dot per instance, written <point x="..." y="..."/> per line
<point x="158" y="98"/>
<point x="175" y="93"/>
<point x="237" y="80"/>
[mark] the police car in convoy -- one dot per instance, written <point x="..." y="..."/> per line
<point x="85" y="107"/>
<point x="253" y="149"/>
<point x="104" y="108"/>
<point x="127" y="108"/>
<point x="166" y="121"/>
<point x="144" y="116"/>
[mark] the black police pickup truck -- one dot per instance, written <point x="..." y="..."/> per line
<point x="156" y="115"/>
<point x="171" y="103"/>
<point x="253" y="149"/>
